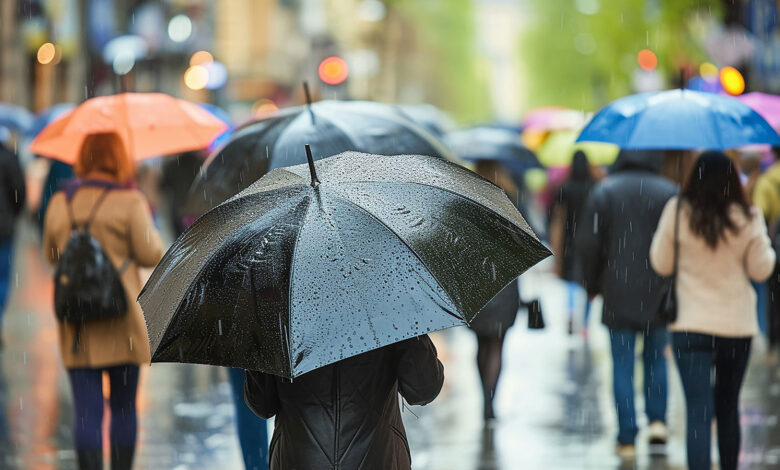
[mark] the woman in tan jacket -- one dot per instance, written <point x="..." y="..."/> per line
<point x="723" y="244"/>
<point x="123" y="226"/>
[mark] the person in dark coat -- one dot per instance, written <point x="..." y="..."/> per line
<point x="620" y="217"/>
<point x="566" y="221"/>
<point x="346" y="415"/>
<point x="495" y="318"/>
<point x="12" y="198"/>
<point x="178" y="174"/>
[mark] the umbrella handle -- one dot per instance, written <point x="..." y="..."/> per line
<point x="314" y="180"/>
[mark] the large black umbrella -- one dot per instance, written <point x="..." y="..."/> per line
<point x="289" y="276"/>
<point x="492" y="143"/>
<point x="330" y="127"/>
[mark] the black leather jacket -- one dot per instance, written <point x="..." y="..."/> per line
<point x="346" y="415"/>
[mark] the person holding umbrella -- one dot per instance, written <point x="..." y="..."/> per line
<point x="720" y="243"/>
<point x="566" y="219"/>
<point x="323" y="282"/>
<point x="118" y="218"/>
<point x="12" y="197"/>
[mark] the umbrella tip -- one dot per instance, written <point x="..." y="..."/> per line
<point x="306" y="93"/>
<point x="314" y="180"/>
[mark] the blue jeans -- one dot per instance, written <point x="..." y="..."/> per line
<point x="623" y="344"/>
<point x="87" y="387"/>
<point x="697" y="356"/>
<point x="252" y="430"/>
<point x="6" y="266"/>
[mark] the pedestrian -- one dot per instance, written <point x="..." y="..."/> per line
<point x="766" y="195"/>
<point x="119" y="219"/>
<point x="347" y="415"/>
<point x="178" y="174"/>
<point x="12" y="198"/>
<point x="722" y="246"/>
<point x="564" y="224"/>
<point x="620" y="216"/>
<point x="494" y="320"/>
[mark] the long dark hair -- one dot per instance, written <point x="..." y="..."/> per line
<point x="712" y="188"/>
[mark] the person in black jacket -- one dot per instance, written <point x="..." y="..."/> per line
<point x="346" y="415"/>
<point x="619" y="219"/>
<point x="12" y="197"/>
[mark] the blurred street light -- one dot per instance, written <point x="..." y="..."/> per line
<point x="708" y="72"/>
<point x="647" y="59"/>
<point x="200" y="58"/>
<point x="180" y="28"/>
<point x="732" y="81"/>
<point x="217" y="75"/>
<point x="333" y="70"/>
<point x="196" y="77"/>
<point x="46" y="53"/>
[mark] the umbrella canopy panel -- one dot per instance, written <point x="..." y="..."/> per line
<point x="491" y="143"/>
<point x="678" y="119"/>
<point x="286" y="277"/>
<point x="150" y="125"/>
<point x="329" y="127"/>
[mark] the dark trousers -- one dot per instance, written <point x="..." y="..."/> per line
<point x="623" y="344"/>
<point x="87" y="387"/>
<point x="698" y="356"/>
<point x="6" y="265"/>
<point x="252" y="430"/>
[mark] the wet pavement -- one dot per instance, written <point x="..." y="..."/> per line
<point x="554" y="399"/>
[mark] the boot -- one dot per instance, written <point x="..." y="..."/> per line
<point x="90" y="459"/>
<point x="122" y="457"/>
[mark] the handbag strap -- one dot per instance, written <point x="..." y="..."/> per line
<point x="676" y="235"/>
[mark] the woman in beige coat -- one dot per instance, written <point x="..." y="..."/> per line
<point x="123" y="226"/>
<point x="723" y="245"/>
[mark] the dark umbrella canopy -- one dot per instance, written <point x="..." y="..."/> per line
<point x="286" y="277"/>
<point x="330" y="127"/>
<point x="492" y="143"/>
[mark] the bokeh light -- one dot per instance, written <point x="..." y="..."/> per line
<point x="647" y="59"/>
<point x="263" y="106"/>
<point x="196" y="78"/>
<point x="46" y="53"/>
<point x="123" y="63"/>
<point x="732" y="81"/>
<point x="371" y="10"/>
<point x="217" y="75"/>
<point x="333" y="70"/>
<point x="708" y="72"/>
<point x="180" y="28"/>
<point x="200" y="58"/>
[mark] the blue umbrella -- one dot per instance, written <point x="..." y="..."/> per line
<point x="48" y="115"/>
<point x="678" y="119"/>
<point x="223" y="116"/>
<point x="15" y="118"/>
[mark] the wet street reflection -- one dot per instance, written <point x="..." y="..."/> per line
<point x="554" y="400"/>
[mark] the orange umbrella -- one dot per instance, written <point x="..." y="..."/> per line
<point x="150" y="124"/>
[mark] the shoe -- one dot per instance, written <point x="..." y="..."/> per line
<point x="90" y="459"/>
<point x="658" y="434"/>
<point x="122" y="458"/>
<point x="625" y="451"/>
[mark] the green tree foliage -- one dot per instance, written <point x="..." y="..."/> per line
<point x="445" y="31"/>
<point x="584" y="60"/>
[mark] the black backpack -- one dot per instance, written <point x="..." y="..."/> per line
<point x="87" y="287"/>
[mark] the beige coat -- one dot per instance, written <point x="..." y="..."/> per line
<point x="714" y="295"/>
<point x="123" y="226"/>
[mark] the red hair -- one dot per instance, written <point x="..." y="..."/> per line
<point x="105" y="152"/>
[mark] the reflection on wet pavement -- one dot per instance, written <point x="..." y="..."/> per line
<point x="554" y="399"/>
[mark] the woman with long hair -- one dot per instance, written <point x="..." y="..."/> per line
<point x="119" y="219"/>
<point x="722" y="246"/>
<point x="565" y="220"/>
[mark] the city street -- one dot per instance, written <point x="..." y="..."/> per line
<point x="554" y="400"/>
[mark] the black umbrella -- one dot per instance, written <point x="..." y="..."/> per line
<point x="330" y="127"/>
<point x="492" y="143"/>
<point x="289" y="276"/>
